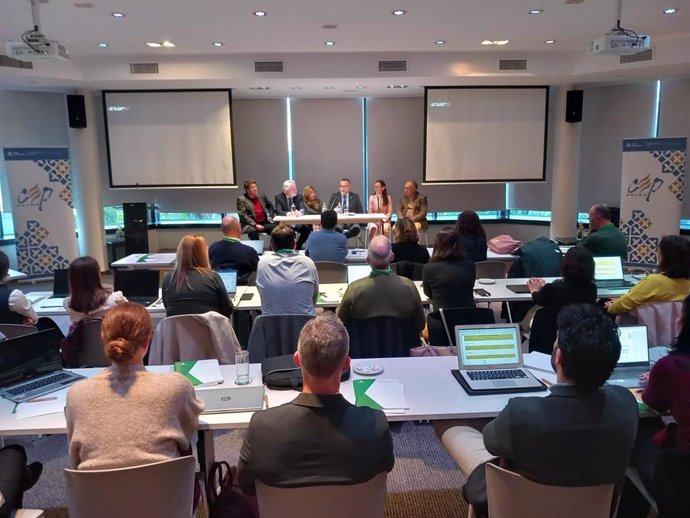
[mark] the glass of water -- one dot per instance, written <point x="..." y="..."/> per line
<point x="242" y="367"/>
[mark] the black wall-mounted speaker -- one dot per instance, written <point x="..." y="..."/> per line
<point x="76" y="111"/>
<point x="573" y="106"/>
<point x="136" y="228"/>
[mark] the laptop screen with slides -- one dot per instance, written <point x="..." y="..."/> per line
<point x="488" y="346"/>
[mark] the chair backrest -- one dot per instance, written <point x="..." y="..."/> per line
<point x="671" y="483"/>
<point x="159" y="490"/>
<point x="331" y="272"/>
<point x="660" y="319"/>
<point x="490" y="270"/>
<point x="204" y="336"/>
<point x="382" y="337"/>
<point x="409" y="269"/>
<point x="455" y="317"/>
<point x="275" y="335"/>
<point x="89" y="348"/>
<point x="359" y="500"/>
<point x="543" y="330"/>
<point x="15" y="330"/>
<point x="513" y="496"/>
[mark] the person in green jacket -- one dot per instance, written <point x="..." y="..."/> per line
<point x="604" y="239"/>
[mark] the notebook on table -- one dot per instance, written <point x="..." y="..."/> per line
<point x="31" y="366"/>
<point x="490" y="360"/>
<point x="140" y="286"/>
<point x="634" y="359"/>
<point x="357" y="271"/>
<point x="229" y="278"/>
<point x="608" y="273"/>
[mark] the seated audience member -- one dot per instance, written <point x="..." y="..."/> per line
<point x="230" y="254"/>
<point x="380" y="203"/>
<point x="327" y="244"/>
<point x="604" y="238"/>
<point x="472" y="235"/>
<point x="287" y="281"/>
<point x="582" y="434"/>
<point x="344" y="202"/>
<point x="311" y="202"/>
<point x="255" y="211"/>
<point x="667" y="390"/>
<point x="289" y="202"/>
<point x="87" y="296"/>
<point x="124" y="415"/>
<point x="406" y="246"/>
<point x="14" y="306"/>
<point x="382" y="293"/>
<point x="323" y="439"/>
<point x="448" y="280"/>
<point x="413" y="205"/>
<point x="192" y="287"/>
<point x="15" y="478"/>
<point x="670" y="284"/>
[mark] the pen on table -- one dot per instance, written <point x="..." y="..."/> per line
<point x="42" y="399"/>
<point x="546" y="382"/>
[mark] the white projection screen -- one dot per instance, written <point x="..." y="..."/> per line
<point x="169" y="138"/>
<point x="485" y="134"/>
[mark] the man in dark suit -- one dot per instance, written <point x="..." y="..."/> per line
<point x="582" y="434"/>
<point x="230" y="254"/>
<point x="345" y="201"/>
<point x="319" y="438"/>
<point x="285" y="201"/>
<point x="255" y="211"/>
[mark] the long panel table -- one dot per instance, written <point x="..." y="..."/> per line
<point x="343" y="219"/>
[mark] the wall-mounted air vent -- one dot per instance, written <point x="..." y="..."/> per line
<point x="6" y="61"/>
<point x="269" y="66"/>
<point x="645" y="55"/>
<point x="143" y="68"/>
<point x="512" y="65"/>
<point x="393" y="66"/>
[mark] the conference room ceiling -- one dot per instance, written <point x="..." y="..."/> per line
<point x="364" y="33"/>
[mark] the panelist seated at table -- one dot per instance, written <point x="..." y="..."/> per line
<point x="255" y="211"/>
<point x="345" y="202"/>
<point x="288" y="282"/>
<point x="124" y="415"/>
<point x="323" y="439"/>
<point x="327" y="244"/>
<point x="88" y="298"/>
<point x="290" y="202"/>
<point x="380" y="203"/>
<point x="414" y="205"/>
<point x="15" y="308"/>
<point x="192" y="287"/>
<point x="582" y="434"/>
<point x="230" y="254"/>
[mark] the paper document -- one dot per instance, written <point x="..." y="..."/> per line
<point x="200" y="372"/>
<point x="52" y="403"/>
<point x="538" y="361"/>
<point x="387" y="395"/>
<point x="330" y="296"/>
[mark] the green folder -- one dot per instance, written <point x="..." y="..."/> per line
<point x="361" y="398"/>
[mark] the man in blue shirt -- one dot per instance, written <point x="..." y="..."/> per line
<point x="327" y="244"/>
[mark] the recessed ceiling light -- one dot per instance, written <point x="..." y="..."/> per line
<point x="671" y="10"/>
<point x="536" y="11"/>
<point x="260" y="13"/>
<point x="168" y="44"/>
<point x="153" y="44"/>
<point x="329" y="43"/>
<point x="360" y="87"/>
<point x="396" y="86"/>
<point x="102" y="44"/>
<point x="259" y="88"/>
<point x="84" y="5"/>
<point x="329" y="26"/>
<point x="495" y="42"/>
<point x="218" y="43"/>
<point x="398" y="12"/>
<point x="118" y="15"/>
<point x="440" y="42"/>
<point x="329" y="87"/>
<point x="550" y="42"/>
<point x="295" y="88"/>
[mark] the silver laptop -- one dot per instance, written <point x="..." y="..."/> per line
<point x="257" y="245"/>
<point x="634" y="358"/>
<point x="490" y="360"/>
<point x="229" y="278"/>
<point x="31" y="366"/>
<point x="608" y="273"/>
<point x="357" y="271"/>
<point x="234" y="398"/>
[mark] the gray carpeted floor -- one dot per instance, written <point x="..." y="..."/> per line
<point x="425" y="481"/>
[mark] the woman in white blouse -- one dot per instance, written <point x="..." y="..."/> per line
<point x="381" y="203"/>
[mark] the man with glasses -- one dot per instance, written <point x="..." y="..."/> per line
<point x="345" y="201"/>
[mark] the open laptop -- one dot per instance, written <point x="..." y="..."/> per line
<point x="232" y="399"/>
<point x="257" y="245"/>
<point x="608" y="273"/>
<point x="31" y="366"/>
<point x="60" y="284"/>
<point x="634" y="358"/>
<point x="490" y="360"/>
<point x="357" y="271"/>
<point x="140" y="286"/>
<point x="229" y="278"/>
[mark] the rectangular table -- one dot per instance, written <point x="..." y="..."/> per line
<point x="160" y="261"/>
<point x="343" y="219"/>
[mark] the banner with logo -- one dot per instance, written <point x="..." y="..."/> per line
<point x="651" y="194"/>
<point x="40" y="184"/>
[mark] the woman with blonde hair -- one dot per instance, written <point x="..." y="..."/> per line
<point x="380" y="203"/>
<point x="126" y="416"/>
<point x="192" y="287"/>
<point x="312" y="204"/>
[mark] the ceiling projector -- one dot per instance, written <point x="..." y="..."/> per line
<point x="40" y="49"/>
<point x="620" y="44"/>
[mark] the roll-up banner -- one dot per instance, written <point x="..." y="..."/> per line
<point x="651" y="194"/>
<point x="40" y="184"/>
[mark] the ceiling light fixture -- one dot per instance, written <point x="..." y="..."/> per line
<point x="550" y="42"/>
<point x="536" y="11"/>
<point x="102" y="44"/>
<point x="295" y="88"/>
<point x="360" y="87"/>
<point x="218" y="43"/>
<point x="671" y="10"/>
<point x="440" y="42"/>
<point x="398" y="12"/>
<point x="118" y="15"/>
<point x="495" y="42"/>
<point x="259" y="88"/>
<point x="260" y="14"/>
<point x="168" y="44"/>
<point x="153" y="44"/>
<point x="329" y="43"/>
<point x="396" y="86"/>
<point x="329" y="87"/>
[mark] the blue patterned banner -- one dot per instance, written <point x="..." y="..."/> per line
<point x="40" y="184"/>
<point x="651" y="194"/>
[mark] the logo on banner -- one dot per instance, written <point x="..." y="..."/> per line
<point x="34" y="197"/>
<point x="644" y="187"/>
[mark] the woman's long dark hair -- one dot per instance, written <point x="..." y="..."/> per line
<point x="469" y="224"/>
<point x="682" y="342"/>
<point x="85" y="289"/>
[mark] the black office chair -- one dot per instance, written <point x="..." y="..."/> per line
<point x="275" y="335"/>
<point x="455" y="317"/>
<point x="542" y="333"/>
<point x="382" y="337"/>
<point x="409" y="269"/>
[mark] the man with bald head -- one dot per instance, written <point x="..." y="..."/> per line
<point x="382" y="293"/>
<point x="604" y="238"/>
<point x="230" y="254"/>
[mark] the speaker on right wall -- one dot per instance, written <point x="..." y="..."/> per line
<point x="573" y="106"/>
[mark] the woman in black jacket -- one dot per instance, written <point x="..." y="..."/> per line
<point x="448" y="279"/>
<point x="472" y="235"/>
